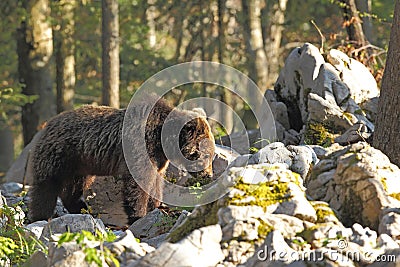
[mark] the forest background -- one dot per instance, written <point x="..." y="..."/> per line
<point x="57" y="55"/>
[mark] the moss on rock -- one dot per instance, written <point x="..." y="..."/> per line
<point x="318" y="134"/>
<point x="201" y="217"/>
<point x="264" y="229"/>
<point x="262" y="194"/>
<point x="323" y="211"/>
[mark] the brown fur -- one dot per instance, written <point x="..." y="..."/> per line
<point x="88" y="141"/>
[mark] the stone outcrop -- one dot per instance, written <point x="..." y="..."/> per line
<point x="320" y="101"/>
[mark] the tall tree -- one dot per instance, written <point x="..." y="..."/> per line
<point x="227" y="116"/>
<point x="264" y="24"/>
<point x="352" y="21"/>
<point x="65" y="54"/>
<point x="275" y="12"/>
<point x="110" y="54"/>
<point x="255" y="44"/>
<point x="386" y="136"/>
<point x="365" y="7"/>
<point x="35" y="50"/>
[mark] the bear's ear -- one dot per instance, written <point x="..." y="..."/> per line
<point x="200" y="111"/>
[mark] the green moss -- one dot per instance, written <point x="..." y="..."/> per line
<point x="264" y="229"/>
<point x="264" y="194"/>
<point x="205" y="215"/>
<point x="318" y="134"/>
<point x="385" y="187"/>
<point x="323" y="210"/>
<point x="384" y="184"/>
<point x="197" y="181"/>
<point x="253" y="150"/>
<point x="348" y="116"/>
<point x="298" y="179"/>
<point x="360" y="112"/>
<point x="395" y="195"/>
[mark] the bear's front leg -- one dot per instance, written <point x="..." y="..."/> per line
<point x="43" y="199"/>
<point x="135" y="199"/>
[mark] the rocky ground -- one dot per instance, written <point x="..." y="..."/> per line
<point x="320" y="196"/>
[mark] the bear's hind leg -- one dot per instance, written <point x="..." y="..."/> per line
<point x="43" y="197"/>
<point x="71" y="195"/>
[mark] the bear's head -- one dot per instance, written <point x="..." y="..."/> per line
<point x="196" y="143"/>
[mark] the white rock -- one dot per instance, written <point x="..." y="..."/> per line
<point x="129" y="242"/>
<point x="73" y="223"/>
<point x="355" y="75"/>
<point x="238" y="213"/>
<point x="199" y="248"/>
<point x="287" y="225"/>
<point x="36" y="228"/>
<point x="11" y="187"/>
<point x="387" y="242"/>
<point x="274" y="153"/>
<point x="147" y="227"/>
<point x="390" y="225"/>
<point x="253" y="176"/>
<point x="297" y="206"/>
<point x="274" y="245"/>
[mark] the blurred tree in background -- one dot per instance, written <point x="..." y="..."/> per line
<point x="252" y="36"/>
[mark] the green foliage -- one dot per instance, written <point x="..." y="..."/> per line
<point x="166" y="222"/>
<point x="93" y="255"/>
<point x="10" y="98"/>
<point x="196" y="189"/>
<point x="16" y="243"/>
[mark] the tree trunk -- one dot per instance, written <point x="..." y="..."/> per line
<point x="227" y="116"/>
<point x="365" y="7"/>
<point x="386" y="136"/>
<point x="65" y="56"/>
<point x="258" y="65"/>
<point x="151" y="24"/>
<point x="35" y="49"/>
<point x="110" y="55"/>
<point x="273" y="39"/>
<point x="6" y="147"/>
<point x="352" y="22"/>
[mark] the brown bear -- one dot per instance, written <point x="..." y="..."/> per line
<point x="88" y="141"/>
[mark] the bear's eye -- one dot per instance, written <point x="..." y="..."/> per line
<point x="194" y="155"/>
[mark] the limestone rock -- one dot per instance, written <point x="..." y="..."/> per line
<point x="274" y="245"/>
<point x="36" y="228"/>
<point x="355" y="75"/>
<point x="357" y="132"/>
<point x="22" y="166"/>
<point x="297" y="206"/>
<point x="200" y="248"/>
<point x="11" y="187"/>
<point x="73" y="223"/>
<point x="127" y="242"/>
<point x="334" y="95"/>
<point x="390" y="224"/>
<point x="273" y="153"/>
<point x="146" y="227"/>
<point x="304" y="159"/>
<point x="358" y="181"/>
<point x="38" y="258"/>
